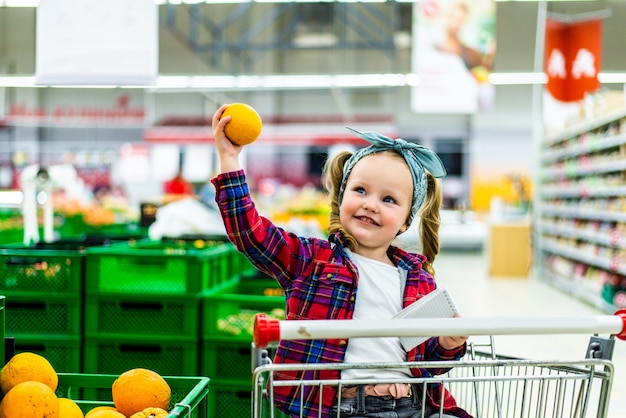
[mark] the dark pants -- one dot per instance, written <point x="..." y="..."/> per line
<point x="386" y="407"/>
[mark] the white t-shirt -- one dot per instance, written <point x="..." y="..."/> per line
<point x="379" y="296"/>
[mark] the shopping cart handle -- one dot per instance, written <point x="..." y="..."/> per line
<point x="268" y="330"/>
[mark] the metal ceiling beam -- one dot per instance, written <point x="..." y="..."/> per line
<point x="355" y="26"/>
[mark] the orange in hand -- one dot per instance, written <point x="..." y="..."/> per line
<point x="245" y="124"/>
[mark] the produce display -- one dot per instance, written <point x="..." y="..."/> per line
<point x="27" y="366"/>
<point x="28" y="383"/>
<point x="243" y="322"/>
<point x="103" y="411"/>
<point x="30" y="400"/>
<point x="69" y="409"/>
<point x="200" y="299"/>
<point x="138" y="389"/>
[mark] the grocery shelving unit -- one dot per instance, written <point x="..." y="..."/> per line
<point x="580" y="214"/>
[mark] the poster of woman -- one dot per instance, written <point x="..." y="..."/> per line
<point x="454" y="50"/>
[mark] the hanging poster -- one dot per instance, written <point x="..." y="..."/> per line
<point x="454" y="48"/>
<point x="97" y="42"/>
<point x="573" y="55"/>
<point x="572" y="61"/>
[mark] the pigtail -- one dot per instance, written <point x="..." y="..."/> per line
<point x="430" y="220"/>
<point x="333" y="174"/>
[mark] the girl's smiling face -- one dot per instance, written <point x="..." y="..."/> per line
<point x="376" y="202"/>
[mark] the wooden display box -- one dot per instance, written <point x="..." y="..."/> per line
<point x="510" y="253"/>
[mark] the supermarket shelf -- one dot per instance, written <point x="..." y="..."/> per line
<point x="581" y="216"/>
<point x="586" y="147"/>
<point x="574" y="289"/>
<point x="583" y="213"/>
<point x="608" y="239"/>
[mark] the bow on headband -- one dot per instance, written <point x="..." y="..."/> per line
<point x="418" y="158"/>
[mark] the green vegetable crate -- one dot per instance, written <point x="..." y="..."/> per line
<point x="43" y="283"/>
<point x="228" y="310"/>
<point x="235" y="401"/>
<point x="189" y="394"/>
<point x="163" y="267"/>
<point x="165" y="355"/>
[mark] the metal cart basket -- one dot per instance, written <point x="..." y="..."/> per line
<point x="483" y="383"/>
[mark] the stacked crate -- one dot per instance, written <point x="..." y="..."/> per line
<point x="143" y="303"/>
<point x="11" y="225"/>
<point x="188" y="397"/>
<point x="43" y="285"/>
<point x="227" y="324"/>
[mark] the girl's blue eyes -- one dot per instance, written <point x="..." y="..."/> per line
<point x="387" y="199"/>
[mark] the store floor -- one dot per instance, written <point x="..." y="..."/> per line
<point x="476" y="294"/>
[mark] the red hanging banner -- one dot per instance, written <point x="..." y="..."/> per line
<point x="573" y="56"/>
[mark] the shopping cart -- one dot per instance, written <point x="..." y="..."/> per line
<point x="483" y="383"/>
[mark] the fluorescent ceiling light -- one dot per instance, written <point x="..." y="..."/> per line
<point x="35" y="3"/>
<point x="17" y="81"/>
<point x="11" y="197"/>
<point x="201" y="82"/>
<point x="299" y="81"/>
<point x="612" y="78"/>
<point x="19" y="3"/>
<point x="517" y="78"/>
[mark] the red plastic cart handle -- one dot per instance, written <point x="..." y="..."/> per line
<point x="622" y="314"/>
<point x="267" y="330"/>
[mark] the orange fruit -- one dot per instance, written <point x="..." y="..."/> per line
<point x="30" y="400"/>
<point x="151" y="413"/>
<point x="69" y="409"/>
<point x="27" y="366"/>
<point x="106" y="413"/>
<point x="245" y="124"/>
<point x="93" y="412"/>
<point x="138" y="389"/>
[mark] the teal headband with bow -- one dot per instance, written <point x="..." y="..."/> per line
<point x="418" y="158"/>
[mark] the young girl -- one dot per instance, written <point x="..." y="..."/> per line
<point x="355" y="274"/>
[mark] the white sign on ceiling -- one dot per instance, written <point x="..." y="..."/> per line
<point x="96" y="42"/>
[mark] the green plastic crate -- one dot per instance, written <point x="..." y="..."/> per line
<point x="228" y="310"/>
<point x="226" y="360"/>
<point x="11" y="225"/>
<point x="46" y="268"/>
<point x="40" y="269"/>
<point x="11" y="235"/>
<point x="63" y="353"/>
<point x="142" y="315"/>
<point x="51" y="315"/>
<point x="116" y="354"/>
<point x="189" y="394"/>
<point x="161" y="267"/>
<point x="230" y="401"/>
<point x="234" y="401"/>
<point x="2" y="327"/>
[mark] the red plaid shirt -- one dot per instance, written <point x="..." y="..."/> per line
<point x="320" y="282"/>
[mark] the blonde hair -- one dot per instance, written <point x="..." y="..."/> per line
<point x="430" y="218"/>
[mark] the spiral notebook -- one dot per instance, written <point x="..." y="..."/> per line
<point x="436" y="304"/>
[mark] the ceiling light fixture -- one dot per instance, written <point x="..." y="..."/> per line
<point x="167" y="83"/>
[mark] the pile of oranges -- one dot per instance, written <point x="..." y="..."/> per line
<point x="28" y="383"/>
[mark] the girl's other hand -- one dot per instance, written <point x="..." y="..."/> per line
<point x="450" y="343"/>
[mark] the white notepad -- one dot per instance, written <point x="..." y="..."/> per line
<point x="436" y="304"/>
